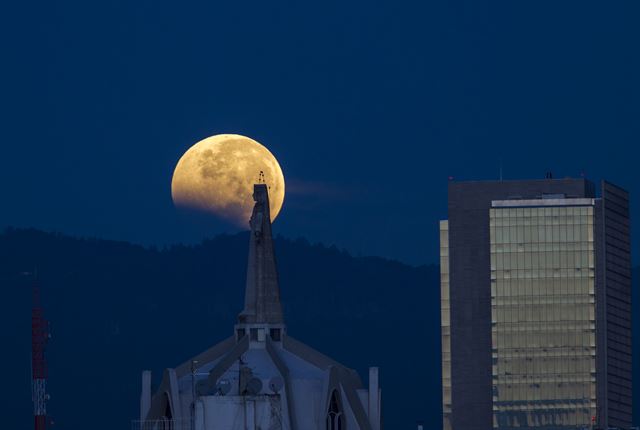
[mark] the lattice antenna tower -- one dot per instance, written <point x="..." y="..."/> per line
<point x="39" y="339"/>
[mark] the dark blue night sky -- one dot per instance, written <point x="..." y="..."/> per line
<point x="369" y="107"/>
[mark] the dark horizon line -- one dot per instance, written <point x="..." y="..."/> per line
<point x="160" y="247"/>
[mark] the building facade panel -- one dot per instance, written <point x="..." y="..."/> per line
<point x="445" y="322"/>
<point x="538" y="305"/>
<point x="617" y="285"/>
<point x="543" y="307"/>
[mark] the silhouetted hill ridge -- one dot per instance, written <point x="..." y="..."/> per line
<point x="118" y="308"/>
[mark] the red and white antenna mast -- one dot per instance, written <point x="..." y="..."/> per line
<point x="39" y="338"/>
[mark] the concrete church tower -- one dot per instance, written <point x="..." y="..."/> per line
<point x="260" y="378"/>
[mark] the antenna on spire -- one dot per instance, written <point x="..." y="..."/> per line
<point x="261" y="178"/>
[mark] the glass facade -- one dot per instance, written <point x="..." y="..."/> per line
<point x="445" y="324"/>
<point x="542" y="316"/>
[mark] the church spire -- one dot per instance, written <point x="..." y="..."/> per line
<point x="262" y="294"/>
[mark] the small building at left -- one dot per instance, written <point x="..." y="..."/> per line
<point x="260" y="378"/>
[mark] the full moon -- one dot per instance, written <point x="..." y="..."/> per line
<point x="217" y="175"/>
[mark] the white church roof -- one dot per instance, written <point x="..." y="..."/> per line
<point x="260" y="376"/>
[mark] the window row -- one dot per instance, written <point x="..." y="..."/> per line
<point x="535" y="353"/>
<point x="542" y="287"/>
<point x="541" y="234"/>
<point x="543" y="274"/>
<point x="541" y="370"/>
<point x="510" y="296"/>
<point x="565" y="393"/>
<point x="544" y="417"/>
<point x="543" y="326"/>
<point x="548" y="340"/>
<point x="541" y="221"/>
<point x="541" y="247"/>
<point x="543" y="260"/>
<point x="541" y="212"/>
<point x="535" y="312"/>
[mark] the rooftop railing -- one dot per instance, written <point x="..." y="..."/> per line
<point x="162" y="424"/>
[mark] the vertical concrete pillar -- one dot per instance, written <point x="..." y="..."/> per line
<point x="145" y="396"/>
<point x="374" y="398"/>
<point x="199" y="416"/>
<point x="250" y="415"/>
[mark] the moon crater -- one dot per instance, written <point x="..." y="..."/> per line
<point x="217" y="174"/>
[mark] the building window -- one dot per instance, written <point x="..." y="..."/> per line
<point x="542" y="317"/>
<point x="275" y="334"/>
<point x="335" y="417"/>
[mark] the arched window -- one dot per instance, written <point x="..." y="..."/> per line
<point x="335" y="417"/>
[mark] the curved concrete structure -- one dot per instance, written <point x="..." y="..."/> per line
<point x="261" y="378"/>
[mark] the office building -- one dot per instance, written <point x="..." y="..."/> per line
<point x="536" y="305"/>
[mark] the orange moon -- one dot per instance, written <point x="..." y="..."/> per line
<point x="217" y="175"/>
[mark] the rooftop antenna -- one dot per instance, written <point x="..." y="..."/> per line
<point x="261" y="177"/>
<point x="501" y="170"/>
